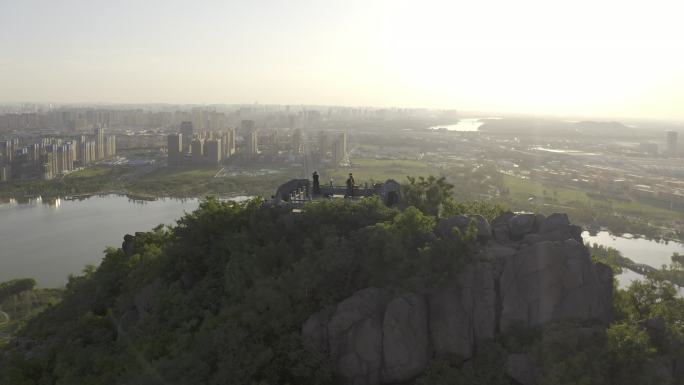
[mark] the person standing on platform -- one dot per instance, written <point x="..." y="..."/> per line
<point x="350" y="186"/>
<point x="316" y="184"/>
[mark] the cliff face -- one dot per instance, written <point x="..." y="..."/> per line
<point x="530" y="270"/>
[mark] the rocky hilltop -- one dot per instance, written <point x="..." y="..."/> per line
<point x="530" y="270"/>
<point x="353" y="292"/>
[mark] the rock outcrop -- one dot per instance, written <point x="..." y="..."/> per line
<point x="531" y="270"/>
<point x="445" y="226"/>
<point x="522" y="368"/>
<point x="355" y="336"/>
<point x="551" y="281"/>
<point x="464" y="313"/>
<point x="405" y="341"/>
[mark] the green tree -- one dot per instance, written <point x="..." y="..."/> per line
<point x="428" y="194"/>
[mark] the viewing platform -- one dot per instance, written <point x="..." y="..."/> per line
<point x="298" y="192"/>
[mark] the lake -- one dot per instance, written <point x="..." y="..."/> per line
<point x="50" y="241"/>
<point x="463" y="125"/>
<point x="639" y="250"/>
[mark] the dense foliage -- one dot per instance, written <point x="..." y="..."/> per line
<point x="17" y="309"/>
<point x="674" y="272"/>
<point x="220" y="297"/>
<point x="609" y="256"/>
<point x="15" y="286"/>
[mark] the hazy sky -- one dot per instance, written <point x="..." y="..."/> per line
<point x="611" y="58"/>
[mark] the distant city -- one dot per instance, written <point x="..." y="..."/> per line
<point x="614" y="163"/>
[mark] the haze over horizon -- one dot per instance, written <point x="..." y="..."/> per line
<point x="614" y="58"/>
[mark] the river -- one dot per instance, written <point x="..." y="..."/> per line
<point x="49" y="241"/>
<point x="463" y="125"/>
<point x="639" y="250"/>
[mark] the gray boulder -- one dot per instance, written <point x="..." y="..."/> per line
<point x="561" y="233"/>
<point x="496" y="251"/>
<point x="405" y="342"/>
<point x="450" y="323"/>
<point x="522" y="368"/>
<point x="521" y="224"/>
<point x="538" y="220"/>
<point x="465" y="312"/>
<point x="127" y="245"/>
<point x="484" y="230"/>
<point x="503" y="219"/>
<point x="355" y="333"/>
<point x="315" y="331"/>
<point x="499" y="227"/>
<point x="554" y="222"/>
<point x="552" y="281"/>
<point x="445" y="227"/>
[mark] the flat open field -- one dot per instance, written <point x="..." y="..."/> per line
<point x="523" y="189"/>
<point x="378" y="170"/>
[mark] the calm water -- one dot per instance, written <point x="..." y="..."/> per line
<point x="638" y="250"/>
<point x="49" y="242"/>
<point x="464" y="125"/>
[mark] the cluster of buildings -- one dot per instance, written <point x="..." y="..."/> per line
<point x="53" y="156"/>
<point x="84" y="119"/>
<point x="190" y="146"/>
<point x="204" y="147"/>
<point x="76" y="118"/>
<point x="651" y="148"/>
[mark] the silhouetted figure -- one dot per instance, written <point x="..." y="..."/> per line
<point x="350" y="186"/>
<point x="316" y="184"/>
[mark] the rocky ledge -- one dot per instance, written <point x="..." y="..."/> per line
<point x="530" y="270"/>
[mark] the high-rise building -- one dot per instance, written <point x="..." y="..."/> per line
<point x="228" y="143"/>
<point x="247" y="125"/>
<point x="99" y="143"/>
<point x="248" y="129"/>
<point x="672" y="143"/>
<point x="323" y="144"/>
<point x="297" y="141"/>
<point x="252" y="143"/>
<point x="93" y="151"/>
<point x="79" y="125"/>
<point x="198" y="119"/>
<point x="34" y="153"/>
<point x="339" y="149"/>
<point x="69" y="149"/>
<point x="86" y="150"/>
<point x="187" y="131"/>
<point x="46" y="173"/>
<point x="8" y="148"/>
<point x="231" y="142"/>
<point x="212" y="151"/>
<point x="175" y="148"/>
<point x="5" y="173"/>
<point x="110" y="146"/>
<point x="198" y="151"/>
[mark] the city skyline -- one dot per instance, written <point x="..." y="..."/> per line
<point x="608" y="59"/>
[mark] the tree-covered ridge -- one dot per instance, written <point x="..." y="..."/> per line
<point x="220" y="298"/>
